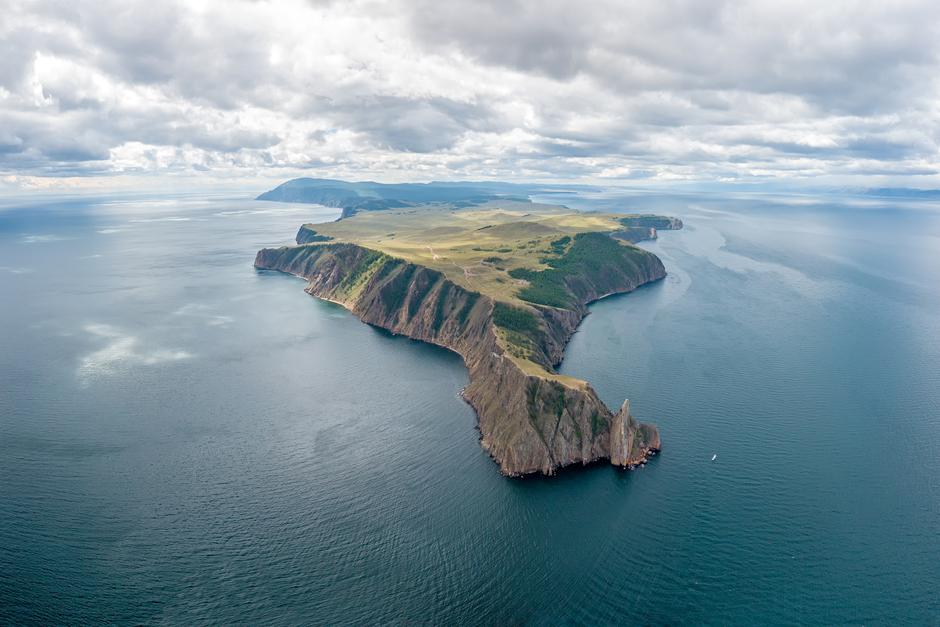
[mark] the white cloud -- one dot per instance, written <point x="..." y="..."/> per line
<point x="548" y="89"/>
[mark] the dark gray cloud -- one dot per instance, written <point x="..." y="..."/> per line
<point x="414" y="124"/>
<point x="512" y="88"/>
<point x="551" y="38"/>
<point x="847" y="56"/>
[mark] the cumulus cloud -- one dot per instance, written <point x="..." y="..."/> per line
<point x="415" y="89"/>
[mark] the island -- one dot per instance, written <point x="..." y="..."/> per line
<point x="498" y="279"/>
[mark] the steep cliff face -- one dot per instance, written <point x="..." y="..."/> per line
<point x="307" y="235"/>
<point x="631" y="442"/>
<point x="530" y="419"/>
<point x="634" y="234"/>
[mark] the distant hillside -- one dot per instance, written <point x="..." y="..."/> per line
<point x="370" y="196"/>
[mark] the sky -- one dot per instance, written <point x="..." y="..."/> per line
<point x="102" y="93"/>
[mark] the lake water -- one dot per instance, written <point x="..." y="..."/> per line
<point x="186" y="440"/>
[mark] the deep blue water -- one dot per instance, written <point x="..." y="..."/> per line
<point x="186" y="440"/>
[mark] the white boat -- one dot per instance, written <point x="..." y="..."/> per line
<point x="715" y="456"/>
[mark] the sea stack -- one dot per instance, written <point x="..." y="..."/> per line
<point x="631" y="443"/>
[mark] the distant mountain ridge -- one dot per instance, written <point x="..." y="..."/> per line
<point x="353" y="197"/>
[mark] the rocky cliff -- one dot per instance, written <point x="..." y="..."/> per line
<point x="649" y="220"/>
<point x="531" y="419"/>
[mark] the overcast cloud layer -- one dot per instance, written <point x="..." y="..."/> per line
<point x="663" y="90"/>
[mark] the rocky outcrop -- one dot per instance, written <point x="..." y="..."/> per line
<point x="307" y="235"/>
<point x="634" y="234"/>
<point x="529" y="421"/>
<point x="650" y="220"/>
<point x="631" y="443"/>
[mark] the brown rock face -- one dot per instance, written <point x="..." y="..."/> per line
<point x="528" y="423"/>
<point x="631" y="443"/>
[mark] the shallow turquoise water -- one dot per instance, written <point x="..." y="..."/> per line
<point x="186" y="440"/>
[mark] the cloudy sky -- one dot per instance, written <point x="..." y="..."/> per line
<point x="767" y="92"/>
